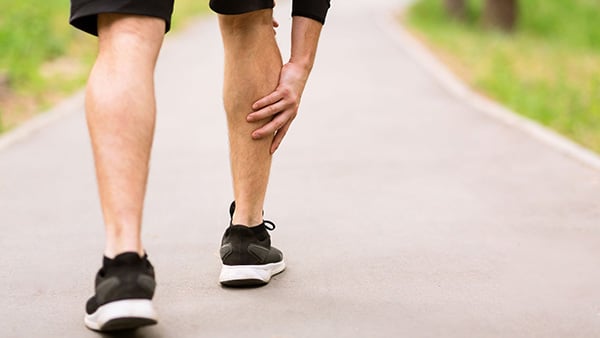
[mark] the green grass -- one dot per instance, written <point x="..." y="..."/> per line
<point x="43" y="59"/>
<point x="548" y="70"/>
<point x="30" y="33"/>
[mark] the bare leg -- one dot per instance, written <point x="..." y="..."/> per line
<point x="252" y="66"/>
<point x="120" y="110"/>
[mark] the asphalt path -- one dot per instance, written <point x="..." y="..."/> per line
<point x="401" y="210"/>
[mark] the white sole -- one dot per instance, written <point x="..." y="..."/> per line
<point x="121" y="315"/>
<point x="242" y="275"/>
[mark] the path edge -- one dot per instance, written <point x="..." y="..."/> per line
<point x="423" y="56"/>
<point x="68" y="106"/>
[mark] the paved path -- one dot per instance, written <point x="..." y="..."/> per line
<point x="402" y="212"/>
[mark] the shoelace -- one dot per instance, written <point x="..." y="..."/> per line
<point x="271" y="226"/>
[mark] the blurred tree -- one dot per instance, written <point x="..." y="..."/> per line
<point x="456" y="8"/>
<point x="500" y="14"/>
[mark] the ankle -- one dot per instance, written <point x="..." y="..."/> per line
<point x="246" y="219"/>
<point x="123" y="236"/>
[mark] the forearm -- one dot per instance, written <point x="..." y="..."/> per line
<point x="305" y="39"/>
<point x="281" y="106"/>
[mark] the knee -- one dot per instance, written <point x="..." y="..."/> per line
<point x="128" y="33"/>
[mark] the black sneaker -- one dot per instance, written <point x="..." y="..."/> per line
<point x="247" y="255"/>
<point x="124" y="289"/>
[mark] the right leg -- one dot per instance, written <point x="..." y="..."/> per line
<point x="120" y="110"/>
<point x="252" y="67"/>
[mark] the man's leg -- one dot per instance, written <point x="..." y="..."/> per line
<point x="252" y="66"/>
<point x="120" y="109"/>
<point x="120" y="112"/>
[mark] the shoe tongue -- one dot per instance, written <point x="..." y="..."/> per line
<point x="124" y="258"/>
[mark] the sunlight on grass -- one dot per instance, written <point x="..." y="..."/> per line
<point x="549" y="70"/>
<point x="43" y="59"/>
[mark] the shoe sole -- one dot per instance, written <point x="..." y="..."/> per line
<point x="122" y="315"/>
<point x="249" y="275"/>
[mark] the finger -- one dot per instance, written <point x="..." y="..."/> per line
<point x="279" y="136"/>
<point x="275" y="25"/>
<point x="268" y="100"/>
<point x="270" y="128"/>
<point x="267" y="111"/>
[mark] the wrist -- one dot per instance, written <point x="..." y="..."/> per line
<point x="304" y="64"/>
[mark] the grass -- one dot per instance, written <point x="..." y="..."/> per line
<point x="548" y="69"/>
<point x="43" y="59"/>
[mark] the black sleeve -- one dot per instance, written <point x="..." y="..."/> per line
<point x="313" y="9"/>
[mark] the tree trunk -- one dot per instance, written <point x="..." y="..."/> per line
<point x="500" y="14"/>
<point x="456" y="8"/>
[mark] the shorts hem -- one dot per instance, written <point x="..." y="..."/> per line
<point x="232" y="7"/>
<point x="85" y="17"/>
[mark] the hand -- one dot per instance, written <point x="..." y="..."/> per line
<point x="281" y="105"/>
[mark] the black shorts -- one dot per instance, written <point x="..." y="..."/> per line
<point x="84" y="13"/>
<point x="239" y="6"/>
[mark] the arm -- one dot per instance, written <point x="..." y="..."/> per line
<point x="282" y="105"/>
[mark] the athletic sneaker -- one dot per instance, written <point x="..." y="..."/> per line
<point x="124" y="290"/>
<point x="247" y="255"/>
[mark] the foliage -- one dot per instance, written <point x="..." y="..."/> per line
<point x="42" y="58"/>
<point x="548" y="70"/>
<point x="30" y="33"/>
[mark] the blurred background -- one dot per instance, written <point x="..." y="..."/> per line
<point x="540" y="58"/>
<point x="404" y="211"/>
<point x="43" y="59"/>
